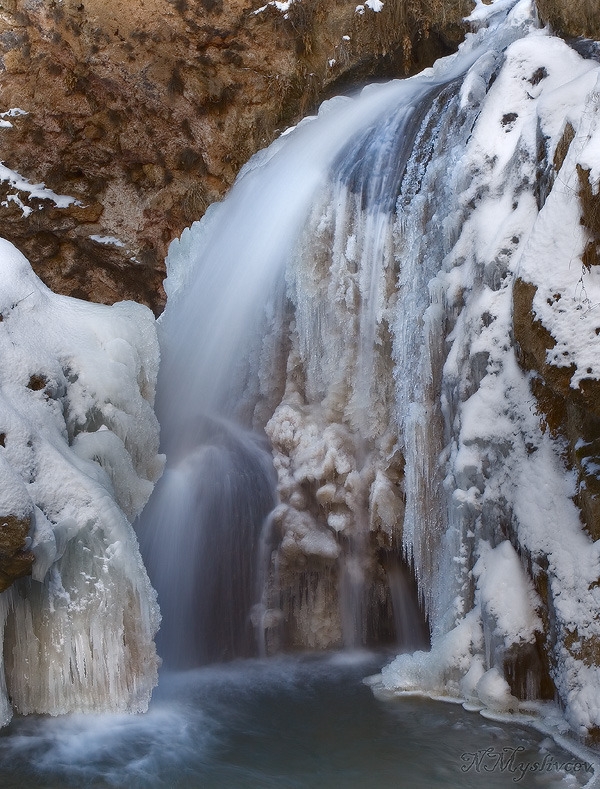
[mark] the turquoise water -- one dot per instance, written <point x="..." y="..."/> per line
<point x="285" y="723"/>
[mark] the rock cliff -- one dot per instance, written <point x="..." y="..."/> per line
<point x="572" y="19"/>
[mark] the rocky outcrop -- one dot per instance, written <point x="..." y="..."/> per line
<point x="572" y="19"/>
<point x="572" y="412"/>
<point x="15" y="560"/>
<point x="144" y="112"/>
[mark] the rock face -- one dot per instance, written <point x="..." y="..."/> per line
<point x="15" y="560"/>
<point x="572" y="411"/>
<point x="572" y="19"/>
<point x="144" y="112"/>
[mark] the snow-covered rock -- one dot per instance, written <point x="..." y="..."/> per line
<point x="79" y="458"/>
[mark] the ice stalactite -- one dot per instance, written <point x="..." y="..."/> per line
<point x="78" y="452"/>
<point x="335" y="432"/>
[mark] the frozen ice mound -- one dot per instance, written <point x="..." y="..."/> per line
<point x="79" y="458"/>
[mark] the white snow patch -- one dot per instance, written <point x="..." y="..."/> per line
<point x="38" y="191"/>
<point x="280" y="6"/>
<point x="12" y="113"/>
<point x="506" y="594"/>
<point x="109" y="240"/>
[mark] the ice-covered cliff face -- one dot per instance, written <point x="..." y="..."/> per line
<point x="516" y="590"/>
<point x="78" y="459"/>
<point x="402" y="416"/>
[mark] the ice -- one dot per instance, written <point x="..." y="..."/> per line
<point x="79" y="458"/>
<point x="493" y="692"/>
<point x="436" y="285"/>
<point x="503" y="474"/>
<point x="506" y="594"/>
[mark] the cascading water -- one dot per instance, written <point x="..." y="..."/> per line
<point x="224" y="350"/>
<point x="336" y="468"/>
<point x="297" y="269"/>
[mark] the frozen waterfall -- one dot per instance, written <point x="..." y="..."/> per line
<point x="354" y="453"/>
<point x="78" y="459"/>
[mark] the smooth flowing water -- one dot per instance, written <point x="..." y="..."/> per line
<point x="285" y="723"/>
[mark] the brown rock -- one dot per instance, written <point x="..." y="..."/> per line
<point x="590" y="217"/>
<point x="574" y="413"/>
<point x="15" y="562"/>
<point x="572" y="19"/>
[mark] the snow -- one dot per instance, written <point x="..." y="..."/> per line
<point x="37" y="191"/>
<point x="280" y="6"/>
<point x="502" y="467"/>
<point x="403" y="415"/>
<point x="567" y="302"/>
<point x="506" y="595"/>
<point x="374" y="5"/>
<point x="12" y="113"/>
<point x="108" y="240"/>
<point x="79" y="460"/>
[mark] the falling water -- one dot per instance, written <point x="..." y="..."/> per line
<point x="201" y="532"/>
<point x="287" y="314"/>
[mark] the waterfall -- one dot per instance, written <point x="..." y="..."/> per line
<point x="295" y="270"/>
<point x="346" y="426"/>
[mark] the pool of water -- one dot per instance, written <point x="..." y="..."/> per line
<point x="285" y="723"/>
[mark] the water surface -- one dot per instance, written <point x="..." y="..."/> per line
<point x="285" y="723"/>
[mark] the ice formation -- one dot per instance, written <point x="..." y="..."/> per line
<point x="78" y="452"/>
<point x="353" y="298"/>
<point x="502" y="480"/>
